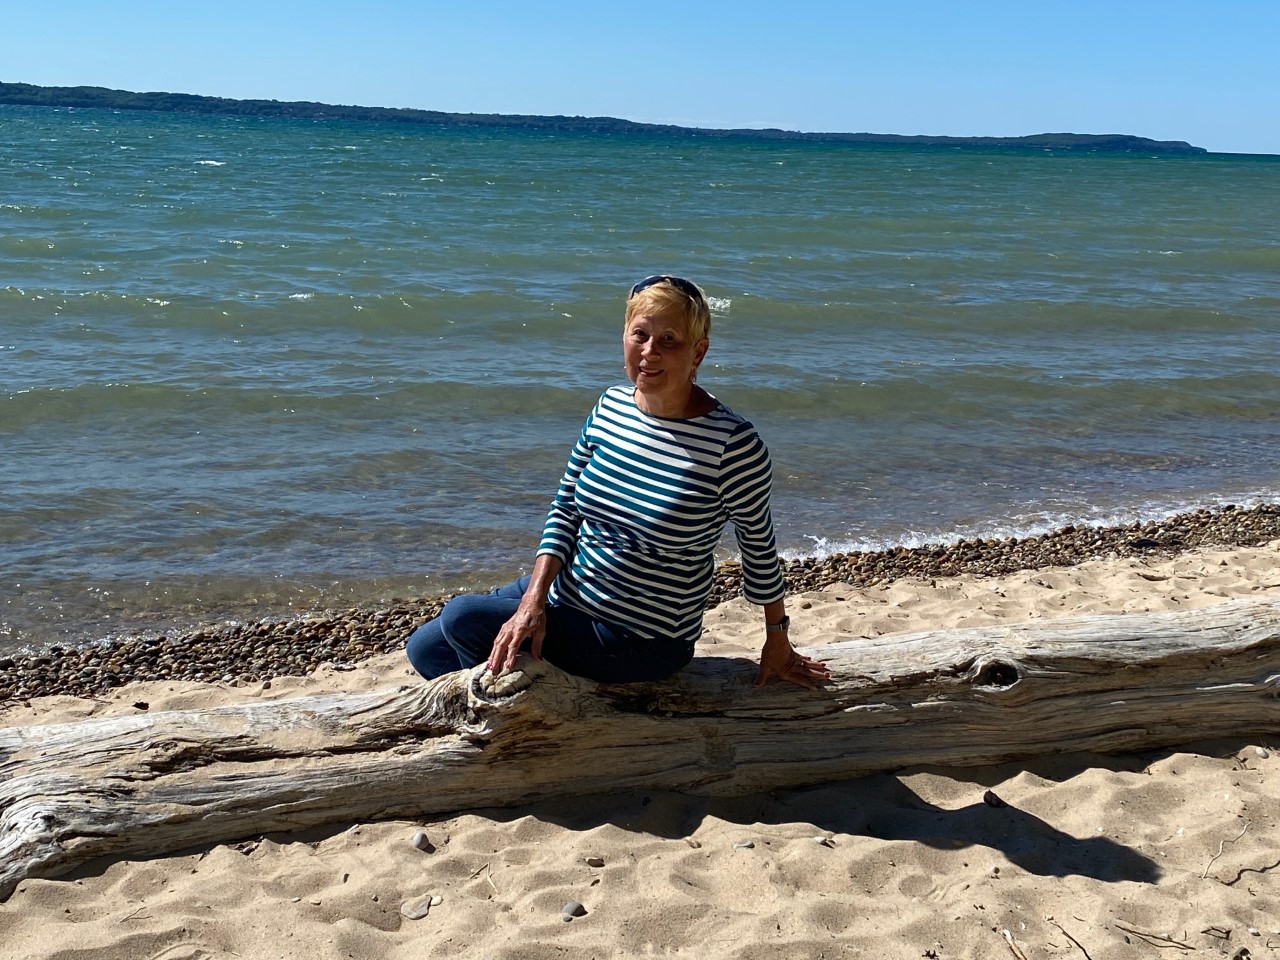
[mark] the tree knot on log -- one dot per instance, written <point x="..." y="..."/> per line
<point x="490" y="687"/>
<point x="993" y="672"/>
<point x="532" y="695"/>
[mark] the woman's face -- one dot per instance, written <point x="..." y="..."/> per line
<point x="660" y="358"/>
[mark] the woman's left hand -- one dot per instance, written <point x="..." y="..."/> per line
<point x="779" y="659"/>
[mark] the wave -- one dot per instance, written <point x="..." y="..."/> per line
<point x="1033" y="522"/>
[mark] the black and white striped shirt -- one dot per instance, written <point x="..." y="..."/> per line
<point x="641" y="507"/>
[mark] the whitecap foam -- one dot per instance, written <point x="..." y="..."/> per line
<point x="211" y="163"/>
<point x="719" y="304"/>
<point x="1025" y="526"/>
<point x="301" y="296"/>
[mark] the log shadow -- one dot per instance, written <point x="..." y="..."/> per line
<point x="884" y="808"/>
<point x="1061" y="767"/>
<point x="877" y="807"/>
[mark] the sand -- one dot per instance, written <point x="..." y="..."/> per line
<point x="1154" y="855"/>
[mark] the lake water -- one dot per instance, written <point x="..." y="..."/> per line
<point x="251" y="366"/>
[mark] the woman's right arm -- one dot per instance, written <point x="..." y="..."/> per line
<point x="559" y="539"/>
<point x="529" y="622"/>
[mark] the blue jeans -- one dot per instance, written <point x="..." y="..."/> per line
<point x="462" y="636"/>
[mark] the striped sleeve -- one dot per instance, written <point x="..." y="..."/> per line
<point x="746" y="481"/>
<point x="560" y="532"/>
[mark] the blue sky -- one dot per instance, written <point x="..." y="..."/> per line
<point x="1208" y="73"/>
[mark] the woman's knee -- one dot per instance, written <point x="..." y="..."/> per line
<point x="429" y="652"/>
<point x="459" y="615"/>
<point x="461" y="635"/>
<point x="471" y="623"/>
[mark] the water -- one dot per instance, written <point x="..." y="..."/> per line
<point x="252" y="366"/>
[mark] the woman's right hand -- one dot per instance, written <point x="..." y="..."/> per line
<point x="529" y="622"/>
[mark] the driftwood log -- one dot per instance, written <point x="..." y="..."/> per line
<point x="156" y="783"/>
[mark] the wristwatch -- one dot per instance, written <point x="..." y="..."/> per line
<point x="780" y="627"/>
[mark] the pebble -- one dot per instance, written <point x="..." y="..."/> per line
<point x="423" y="842"/>
<point x="696" y="844"/>
<point x="256" y="651"/>
<point x="573" y="909"/>
<point x="419" y="907"/>
<point x="744" y="845"/>
<point x="1262" y="752"/>
<point x="824" y="842"/>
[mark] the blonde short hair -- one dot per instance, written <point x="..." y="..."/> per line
<point x="665" y="298"/>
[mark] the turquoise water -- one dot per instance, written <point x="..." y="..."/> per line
<point x="250" y="366"/>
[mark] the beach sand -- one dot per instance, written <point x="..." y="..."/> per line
<point x="1151" y="855"/>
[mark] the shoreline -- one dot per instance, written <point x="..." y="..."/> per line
<point x="257" y="651"/>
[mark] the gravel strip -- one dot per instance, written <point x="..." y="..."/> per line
<point x="259" y="650"/>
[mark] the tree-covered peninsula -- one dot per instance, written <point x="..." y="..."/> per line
<point x="104" y="98"/>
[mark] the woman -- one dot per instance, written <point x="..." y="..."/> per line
<point x="627" y="559"/>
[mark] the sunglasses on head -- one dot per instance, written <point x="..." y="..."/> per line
<point x="680" y="283"/>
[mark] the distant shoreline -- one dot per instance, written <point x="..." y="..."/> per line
<point x="26" y="94"/>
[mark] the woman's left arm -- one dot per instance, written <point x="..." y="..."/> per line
<point x="780" y="659"/>
<point x="746" y="486"/>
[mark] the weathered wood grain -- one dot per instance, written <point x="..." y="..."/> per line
<point x="156" y="783"/>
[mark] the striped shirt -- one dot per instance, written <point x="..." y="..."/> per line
<point x="641" y="507"/>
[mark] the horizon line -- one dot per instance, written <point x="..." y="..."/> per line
<point x="188" y="102"/>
